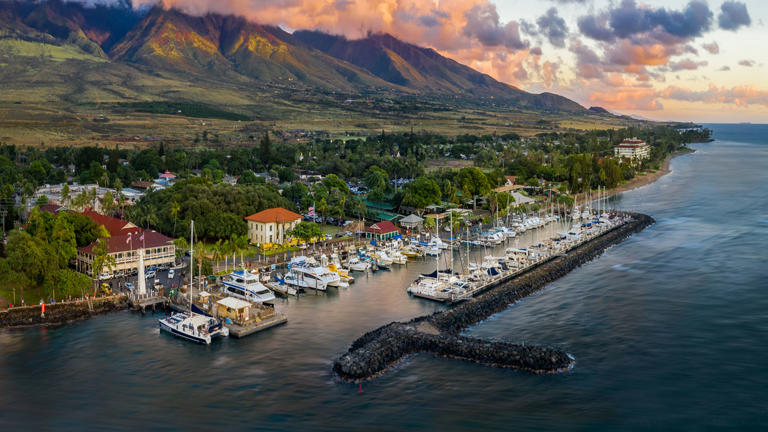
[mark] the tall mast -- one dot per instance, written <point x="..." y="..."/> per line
<point x="191" y="262"/>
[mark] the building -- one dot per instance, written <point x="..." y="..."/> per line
<point x="124" y="244"/>
<point x="509" y="185"/>
<point x="384" y="230"/>
<point x="271" y="225"/>
<point x="632" y="149"/>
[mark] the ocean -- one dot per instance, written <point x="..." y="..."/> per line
<point x="669" y="330"/>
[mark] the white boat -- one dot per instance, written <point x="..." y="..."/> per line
<point x="432" y="251"/>
<point x="356" y="264"/>
<point x="437" y="241"/>
<point x="303" y="280"/>
<point x="398" y="258"/>
<point x="189" y="325"/>
<point x="309" y="270"/>
<point x="383" y="260"/>
<point x="246" y="286"/>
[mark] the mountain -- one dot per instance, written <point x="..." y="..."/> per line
<point x="424" y="69"/>
<point x="231" y="50"/>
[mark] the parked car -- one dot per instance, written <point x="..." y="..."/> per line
<point x="150" y="274"/>
<point x="129" y="286"/>
<point x="171" y="273"/>
<point x="105" y="276"/>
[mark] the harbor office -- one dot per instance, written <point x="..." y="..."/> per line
<point x="125" y="243"/>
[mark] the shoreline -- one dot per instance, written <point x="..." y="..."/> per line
<point x="648" y="178"/>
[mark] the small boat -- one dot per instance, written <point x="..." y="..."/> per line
<point x="311" y="272"/>
<point x="356" y="264"/>
<point x="411" y="252"/>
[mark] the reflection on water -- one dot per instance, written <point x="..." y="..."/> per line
<point x="667" y="328"/>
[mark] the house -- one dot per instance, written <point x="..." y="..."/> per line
<point x="411" y="222"/>
<point x="124" y="244"/>
<point x="509" y="185"/>
<point x="384" y="230"/>
<point x="634" y="149"/>
<point x="271" y="225"/>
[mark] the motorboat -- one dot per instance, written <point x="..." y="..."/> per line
<point x="246" y="286"/>
<point x="382" y="259"/>
<point x="357" y="264"/>
<point x="314" y="275"/>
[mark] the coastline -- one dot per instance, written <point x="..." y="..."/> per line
<point x="648" y="178"/>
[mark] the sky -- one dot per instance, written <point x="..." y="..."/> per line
<point x="686" y="60"/>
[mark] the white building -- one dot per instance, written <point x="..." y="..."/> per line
<point x="271" y="225"/>
<point x="632" y="149"/>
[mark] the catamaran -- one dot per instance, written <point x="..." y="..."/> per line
<point x="189" y="325"/>
<point x="245" y="285"/>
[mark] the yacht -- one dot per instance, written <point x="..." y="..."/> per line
<point x="356" y="264"/>
<point x="189" y="325"/>
<point x="245" y="285"/>
<point x="310" y="272"/>
<point x="383" y="260"/>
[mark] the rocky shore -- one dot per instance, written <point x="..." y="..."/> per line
<point x="60" y="313"/>
<point x="439" y="334"/>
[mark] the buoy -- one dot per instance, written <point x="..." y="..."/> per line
<point x="360" y="389"/>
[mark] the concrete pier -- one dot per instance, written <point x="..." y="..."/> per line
<point x="374" y="352"/>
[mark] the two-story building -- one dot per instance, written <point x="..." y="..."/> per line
<point x="271" y="225"/>
<point x="124" y="243"/>
<point x="632" y="149"/>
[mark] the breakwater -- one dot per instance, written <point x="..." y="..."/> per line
<point x="439" y="333"/>
<point x="60" y="313"/>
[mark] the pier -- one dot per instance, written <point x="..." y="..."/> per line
<point x="144" y="302"/>
<point x="439" y="334"/>
<point x="240" y="331"/>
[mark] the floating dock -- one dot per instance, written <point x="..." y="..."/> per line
<point x="152" y="301"/>
<point x="238" y="331"/>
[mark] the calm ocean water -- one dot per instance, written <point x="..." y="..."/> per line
<point x="669" y="330"/>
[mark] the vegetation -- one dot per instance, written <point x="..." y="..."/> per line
<point x="198" y="110"/>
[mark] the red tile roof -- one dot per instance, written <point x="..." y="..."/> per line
<point x="384" y="227"/>
<point x="120" y="243"/>
<point x="114" y="226"/>
<point x="277" y="214"/>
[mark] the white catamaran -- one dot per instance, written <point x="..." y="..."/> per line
<point x="189" y="325"/>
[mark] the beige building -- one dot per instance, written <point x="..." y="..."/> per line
<point x="124" y="243"/>
<point x="632" y="149"/>
<point x="271" y="225"/>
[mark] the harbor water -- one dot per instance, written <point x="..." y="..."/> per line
<point x="669" y="330"/>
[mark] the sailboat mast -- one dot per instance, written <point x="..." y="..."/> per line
<point x="191" y="261"/>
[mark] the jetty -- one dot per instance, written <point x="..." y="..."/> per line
<point x="143" y="302"/>
<point x="241" y="331"/>
<point x="439" y="333"/>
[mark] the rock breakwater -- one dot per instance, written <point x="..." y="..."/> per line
<point x="439" y="333"/>
<point x="60" y="313"/>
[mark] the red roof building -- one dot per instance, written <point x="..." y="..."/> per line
<point x="271" y="226"/>
<point x="124" y="243"/>
<point x="632" y="149"/>
<point x="384" y="230"/>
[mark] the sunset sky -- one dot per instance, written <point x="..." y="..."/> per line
<point x="667" y="60"/>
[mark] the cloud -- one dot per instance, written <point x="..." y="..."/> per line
<point x="484" y="24"/>
<point x="712" y="48"/>
<point x="740" y="95"/>
<point x="686" y="64"/>
<point x="553" y="27"/>
<point x="747" y="63"/>
<point x="733" y="15"/>
<point x="724" y="68"/>
<point x="644" y="99"/>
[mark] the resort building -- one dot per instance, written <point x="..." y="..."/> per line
<point x="632" y="149"/>
<point x="124" y="245"/>
<point x="384" y="230"/>
<point x="271" y="225"/>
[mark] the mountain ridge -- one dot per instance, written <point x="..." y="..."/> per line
<point x="231" y="48"/>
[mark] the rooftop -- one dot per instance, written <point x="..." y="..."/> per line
<point x="122" y="242"/>
<point x="277" y="214"/>
<point x="114" y="226"/>
<point x="383" y="227"/>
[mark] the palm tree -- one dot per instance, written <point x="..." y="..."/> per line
<point x="175" y="209"/>
<point x="224" y="250"/>
<point x="65" y="194"/>
<point x="181" y="245"/>
<point x="101" y="260"/>
<point x="217" y="252"/>
<point x="243" y="245"/>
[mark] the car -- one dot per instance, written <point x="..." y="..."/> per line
<point x="105" y="276"/>
<point x="129" y="286"/>
<point x="171" y="273"/>
<point x="150" y="274"/>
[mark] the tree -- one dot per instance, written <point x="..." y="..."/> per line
<point x="181" y="245"/>
<point x="102" y="260"/>
<point x="474" y="183"/>
<point x="421" y="193"/>
<point x="265" y="146"/>
<point x="65" y="194"/>
<point x="108" y="204"/>
<point x="216" y="258"/>
<point x="242" y="244"/>
<point x="306" y="231"/>
<point x="63" y="242"/>
<point x="174" y="213"/>
<point x="376" y="180"/>
<point x="285" y="175"/>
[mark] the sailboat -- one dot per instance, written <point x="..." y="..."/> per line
<point x="190" y="325"/>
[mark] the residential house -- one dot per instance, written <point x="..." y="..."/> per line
<point x="271" y="225"/>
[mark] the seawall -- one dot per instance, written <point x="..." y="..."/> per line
<point x="60" y="313"/>
<point x="439" y="333"/>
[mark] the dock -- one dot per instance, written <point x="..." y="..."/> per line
<point x="142" y="303"/>
<point x="238" y="331"/>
